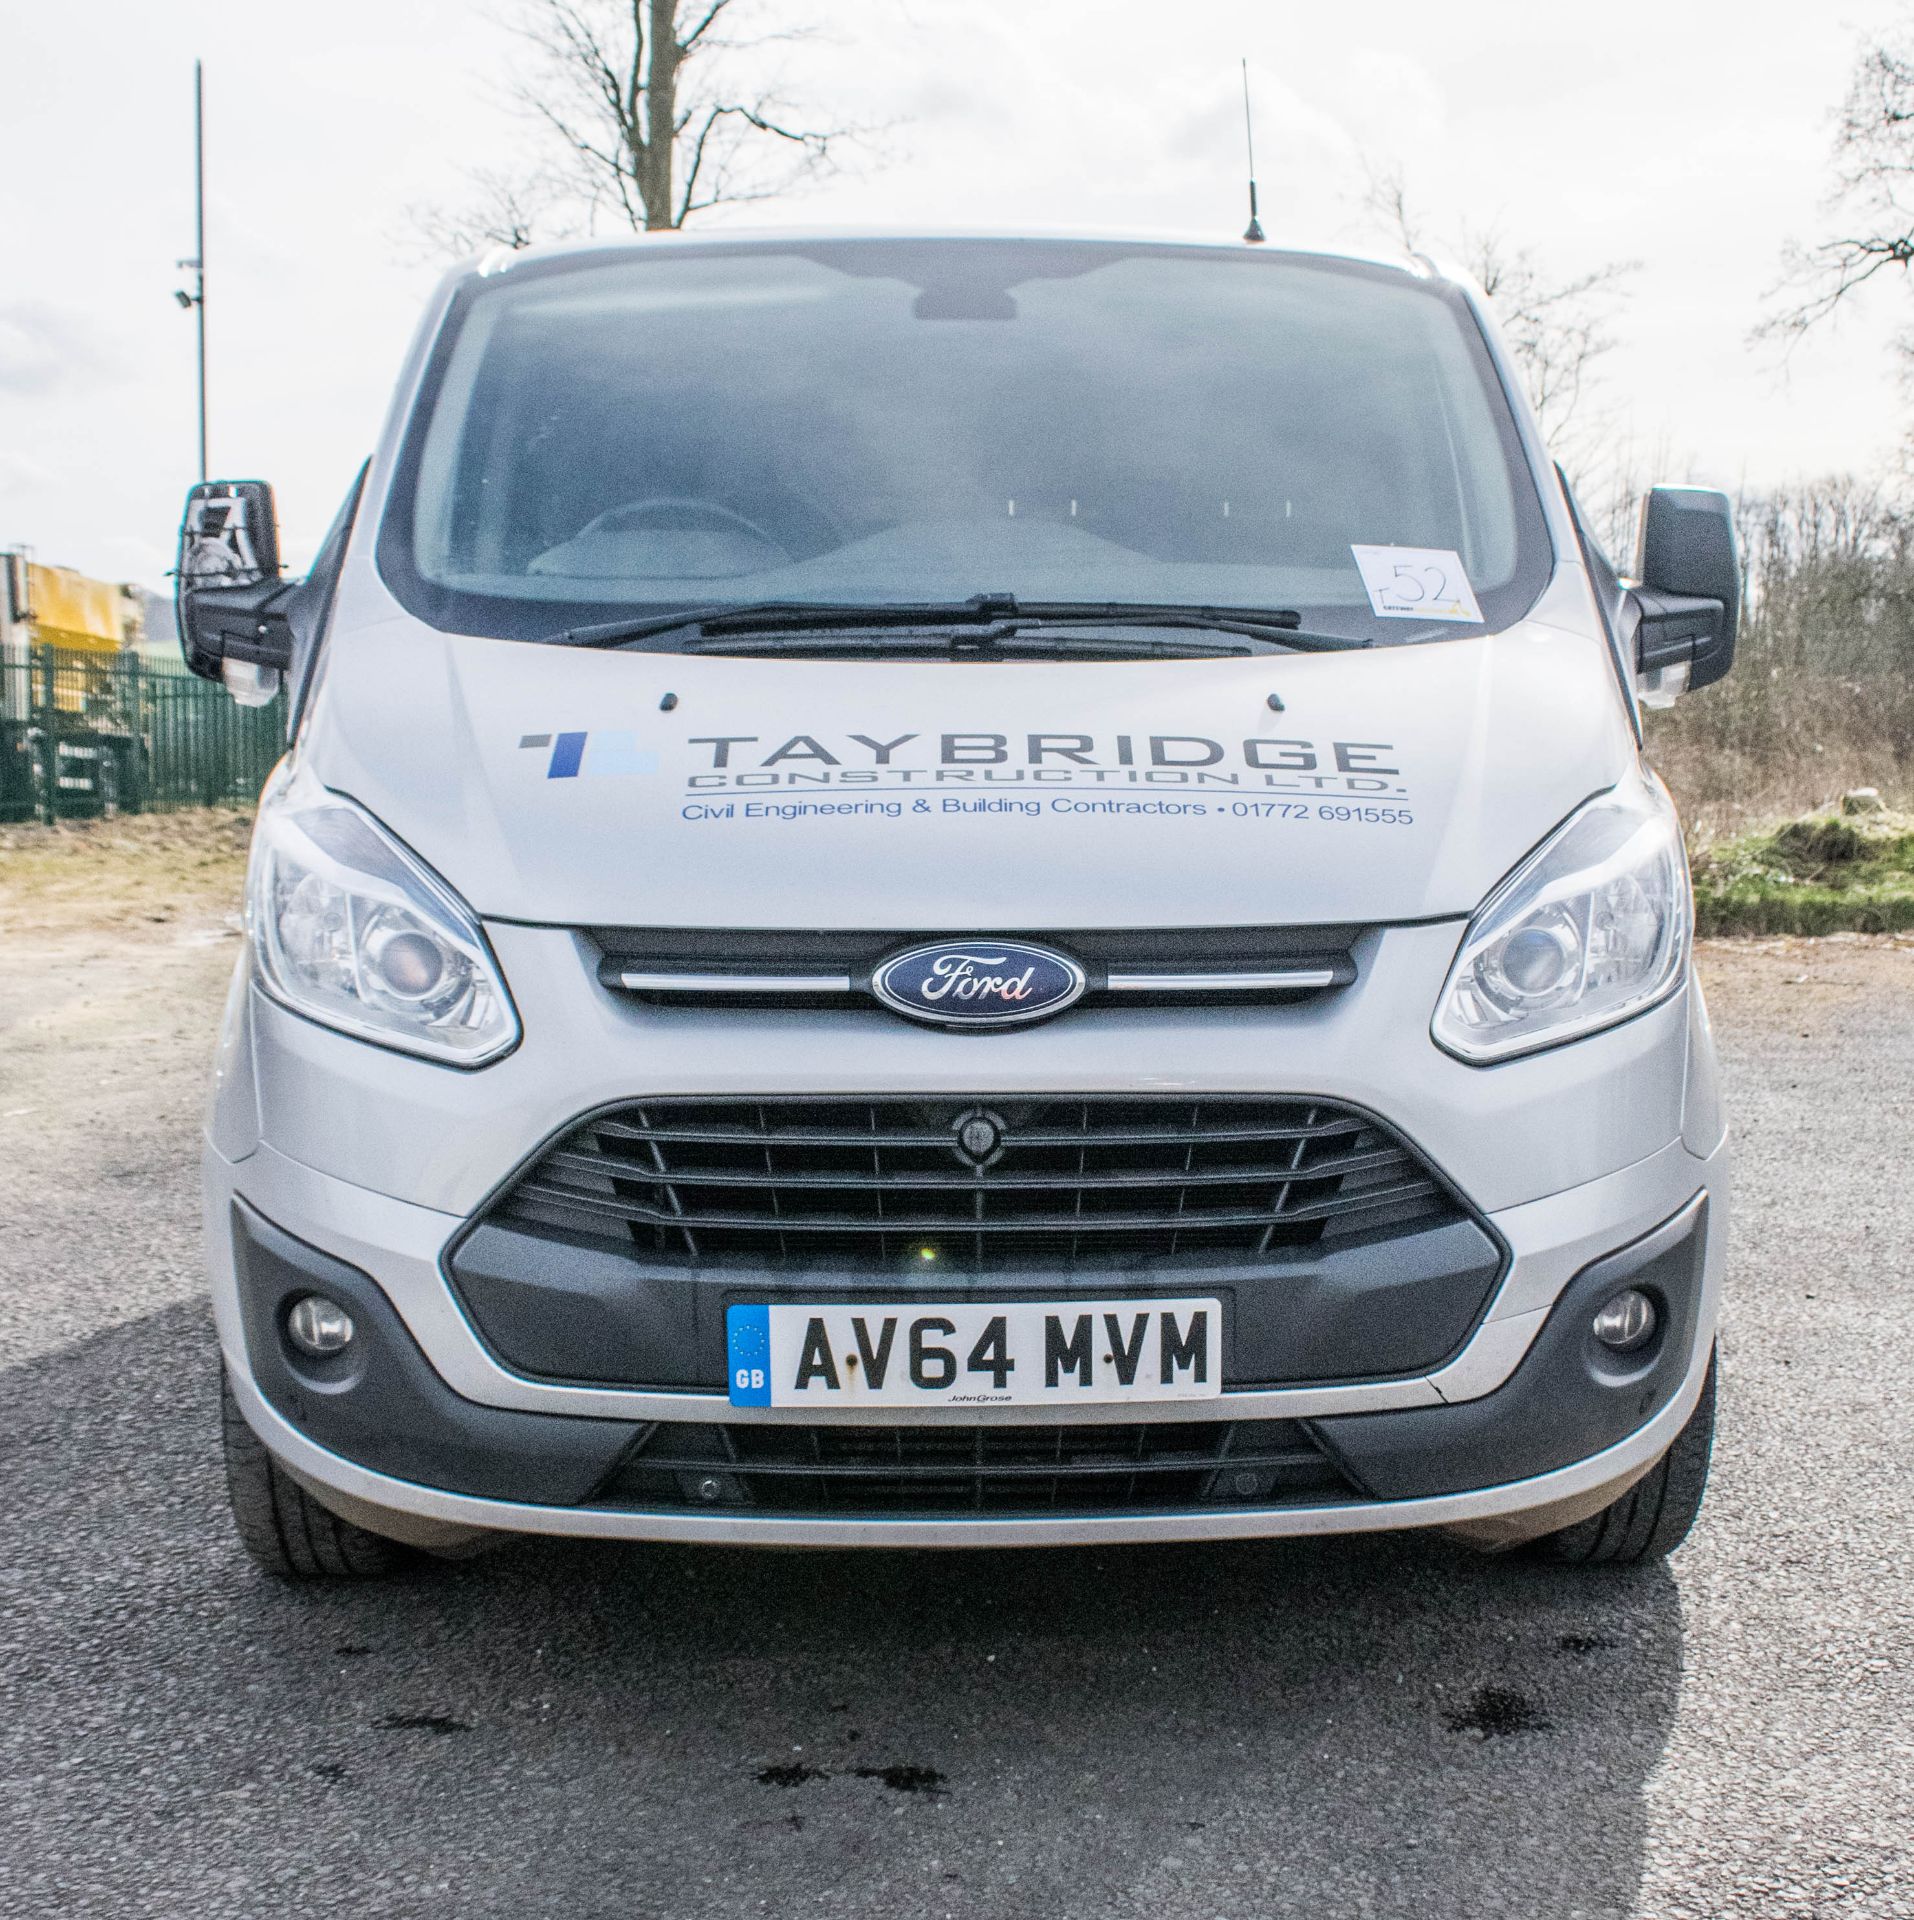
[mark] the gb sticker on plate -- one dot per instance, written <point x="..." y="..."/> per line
<point x="1417" y="583"/>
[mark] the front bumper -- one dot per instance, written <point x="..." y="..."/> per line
<point x="1527" y="1416"/>
<point x="378" y="1162"/>
<point x="366" y="1495"/>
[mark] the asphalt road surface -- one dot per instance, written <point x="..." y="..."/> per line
<point x="1381" y="1727"/>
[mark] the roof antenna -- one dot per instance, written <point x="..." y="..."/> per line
<point x="1253" y="233"/>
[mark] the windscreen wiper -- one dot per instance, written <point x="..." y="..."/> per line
<point x="1272" y="627"/>
<point x="962" y="643"/>
<point x="978" y="622"/>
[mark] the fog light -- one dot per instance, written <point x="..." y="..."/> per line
<point x="1626" y="1321"/>
<point x="319" y="1326"/>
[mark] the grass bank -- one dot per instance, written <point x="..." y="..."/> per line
<point x="1824" y="873"/>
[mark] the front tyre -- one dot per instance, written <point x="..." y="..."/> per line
<point x="285" y="1530"/>
<point x="1652" y="1518"/>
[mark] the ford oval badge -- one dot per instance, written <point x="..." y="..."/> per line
<point x="978" y="983"/>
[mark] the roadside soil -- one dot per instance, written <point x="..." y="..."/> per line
<point x="116" y="942"/>
<point x="1792" y="981"/>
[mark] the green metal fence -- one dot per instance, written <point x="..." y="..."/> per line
<point x="86" y="734"/>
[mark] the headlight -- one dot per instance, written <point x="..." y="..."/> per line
<point x="1592" y="927"/>
<point x="353" y="930"/>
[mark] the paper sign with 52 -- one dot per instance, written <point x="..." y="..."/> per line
<point x="1417" y="583"/>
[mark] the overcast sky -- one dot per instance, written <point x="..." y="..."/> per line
<point x="1688" y="135"/>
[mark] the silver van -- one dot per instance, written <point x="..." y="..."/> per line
<point x="962" y="891"/>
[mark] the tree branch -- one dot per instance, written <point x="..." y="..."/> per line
<point x="1873" y="157"/>
<point x="695" y="165"/>
<point x="687" y="41"/>
<point x="639" y="92"/>
<point x="1557" y="330"/>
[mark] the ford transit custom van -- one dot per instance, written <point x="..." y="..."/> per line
<point x="962" y="891"/>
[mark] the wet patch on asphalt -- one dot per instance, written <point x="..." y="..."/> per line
<point x="438" y="1723"/>
<point x="905" y="1778"/>
<point x="1494" y="1713"/>
<point x="793" y="1773"/>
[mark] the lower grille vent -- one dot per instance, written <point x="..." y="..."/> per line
<point x="1141" y="1467"/>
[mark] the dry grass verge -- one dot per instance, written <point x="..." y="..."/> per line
<point x="144" y="870"/>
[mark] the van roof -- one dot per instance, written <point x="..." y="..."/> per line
<point x="771" y="239"/>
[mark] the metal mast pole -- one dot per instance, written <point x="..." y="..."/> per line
<point x="199" y="244"/>
<point x="196" y="266"/>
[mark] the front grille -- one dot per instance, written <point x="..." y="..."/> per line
<point x="981" y="1184"/>
<point x="877" y="1471"/>
<point x="834" y="950"/>
<point x="1123" y="966"/>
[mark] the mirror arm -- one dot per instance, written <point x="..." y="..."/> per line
<point x="1675" y="634"/>
<point x="246" y="623"/>
<point x="1672" y="625"/>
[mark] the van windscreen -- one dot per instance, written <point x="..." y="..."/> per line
<point x="879" y="421"/>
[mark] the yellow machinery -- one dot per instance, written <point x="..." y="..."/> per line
<point x="79" y="615"/>
<point x="68" y="739"/>
<point x="69" y="610"/>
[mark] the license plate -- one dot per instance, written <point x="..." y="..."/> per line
<point x="1012" y="1355"/>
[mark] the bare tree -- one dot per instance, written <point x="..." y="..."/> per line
<point x="1872" y="202"/>
<point x="656" y="113"/>
<point x="510" y="210"/>
<point x="1557" y="329"/>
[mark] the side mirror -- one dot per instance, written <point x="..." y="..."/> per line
<point x="1688" y="592"/>
<point x="227" y="589"/>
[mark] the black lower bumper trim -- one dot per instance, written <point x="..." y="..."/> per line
<point x="1570" y="1397"/>
<point x="381" y="1404"/>
<point x="951" y="1472"/>
<point x="555" y="1308"/>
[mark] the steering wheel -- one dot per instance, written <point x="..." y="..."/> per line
<point x="623" y="519"/>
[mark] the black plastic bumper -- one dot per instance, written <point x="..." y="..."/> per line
<point x="560" y="1309"/>
<point x="1570" y="1397"/>
<point x="381" y="1404"/>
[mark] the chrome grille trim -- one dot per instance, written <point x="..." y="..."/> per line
<point x="1310" y="980"/>
<point x="1126" y="967"/>
<point x="1299" y="980"/>
<point x="756" y="983"/>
